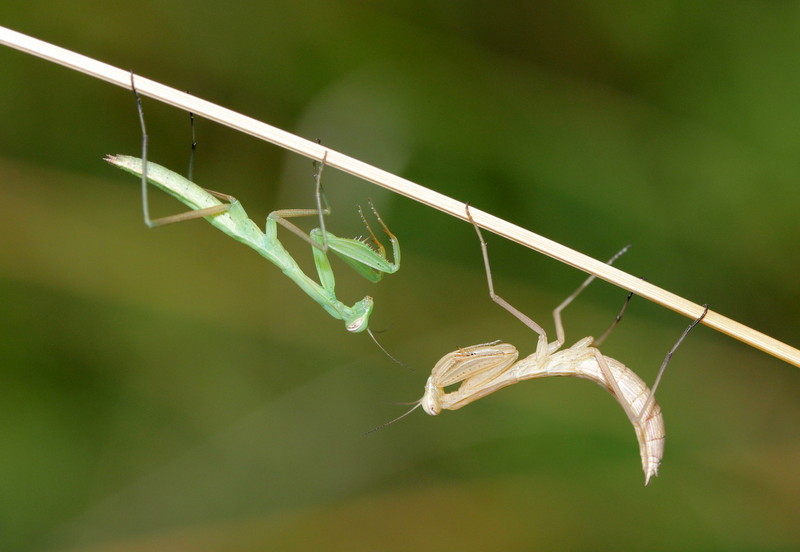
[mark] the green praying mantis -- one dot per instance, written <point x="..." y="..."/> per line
<point x="366" y="256"/>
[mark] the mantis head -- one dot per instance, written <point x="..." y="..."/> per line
<point x="358" y="318"/>
<point x="431" y="401"/>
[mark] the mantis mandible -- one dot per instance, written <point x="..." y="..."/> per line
<point x="485" y="368"/>
<point x="365" y="256"/>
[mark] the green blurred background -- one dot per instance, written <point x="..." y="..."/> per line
<point x="170" y="390"/>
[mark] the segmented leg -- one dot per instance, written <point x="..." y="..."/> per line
<point x="522" y="317"/>
<point x="560" y="335"/>
<point x="180" y="217"/>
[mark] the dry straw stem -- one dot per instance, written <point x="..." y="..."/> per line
<point x="399" y="185"/>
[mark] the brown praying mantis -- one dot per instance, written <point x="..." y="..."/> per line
<point x="485" y="368"/>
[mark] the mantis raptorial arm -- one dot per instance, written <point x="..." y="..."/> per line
<point x="367" y="257"/>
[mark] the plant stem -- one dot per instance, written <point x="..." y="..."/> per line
<point x="263" y="131"/>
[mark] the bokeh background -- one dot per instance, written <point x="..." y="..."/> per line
<point x="170" y="390"/>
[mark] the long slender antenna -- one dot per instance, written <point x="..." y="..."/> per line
<point x="390" y="422"/>
<point x="382" y="348"/>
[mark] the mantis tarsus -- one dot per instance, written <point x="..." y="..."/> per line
<point x="365" y="256"/>
<point x="485" y="368"/>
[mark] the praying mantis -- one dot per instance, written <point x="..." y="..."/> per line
<point x="483" y="369"/>
<point x="366" y="256"/>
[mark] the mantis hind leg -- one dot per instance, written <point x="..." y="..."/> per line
<point x="280" y="216"/>
<point x="522" y="317"/>
<point x="599" y="341"/>
<point x="188" y="215"/>
<point x="651" y="397"/>
<point x="560" y="335"/>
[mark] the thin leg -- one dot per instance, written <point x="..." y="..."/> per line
<point x="496" y="298"/>
<point x="599" y="341"/>
<point x="190" y="175"/>
<point x="140" y="111"/>
<point x="320" y="194"/>
<point x="281" y="215"/>
<point x="152" y="223"/>
<point x="605" y="334"/>
<point x="205" y="212"/>
<point x="651" y="398"/>
<point x="560" y="336"/>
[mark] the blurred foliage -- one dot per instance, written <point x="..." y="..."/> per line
<point x="169" y="389"/>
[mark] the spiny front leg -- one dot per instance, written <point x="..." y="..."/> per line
<point x="474" y="367"/>
<point x="366" y="256"/>
<point x="384" y="265"/>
